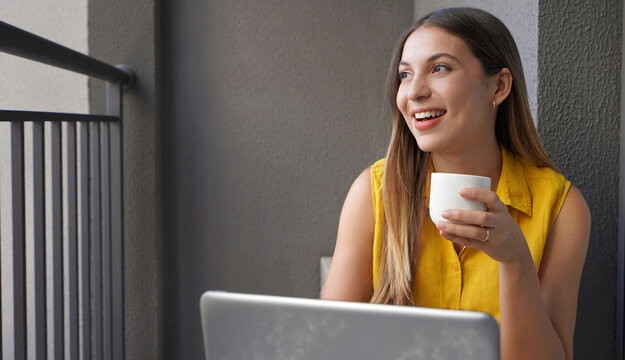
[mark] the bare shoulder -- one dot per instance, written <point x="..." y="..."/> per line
<point x="349" y="277"/>
<point x="577" y="203"/>
<point x="570" y="234"/>
<point x="574" y="216"/>
<point x="360" y="190"/>
<point x="356" y="224"/>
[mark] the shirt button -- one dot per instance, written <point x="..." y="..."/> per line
<point x="455" y="267"/>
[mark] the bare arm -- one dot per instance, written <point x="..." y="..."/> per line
<point x="561" y="267"/>
<point x="537" y="310"/>
<point x="349" y="277"/>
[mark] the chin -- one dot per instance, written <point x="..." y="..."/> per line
<point x="427" y="146"/>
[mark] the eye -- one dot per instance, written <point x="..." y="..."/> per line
<point x="403" y="75"/>
<point x="440" y="68"/>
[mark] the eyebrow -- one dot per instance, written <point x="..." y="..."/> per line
<point x="437" y="56"/>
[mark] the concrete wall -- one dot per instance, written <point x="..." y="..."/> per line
<point x="579" y="111"/>
<point x="270" y="110"/>
<point x="125" y="32"/>
<point x="620" y="289"/>
<point x="27" y="85"/>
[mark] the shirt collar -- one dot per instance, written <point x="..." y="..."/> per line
<point x="512" y="188"/>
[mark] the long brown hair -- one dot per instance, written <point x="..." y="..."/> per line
<point x="406" y="166"/>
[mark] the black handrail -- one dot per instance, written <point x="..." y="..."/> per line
<point x="21" y="43"/>
<point x="42" y="116"/>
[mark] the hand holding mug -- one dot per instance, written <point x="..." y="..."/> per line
<point x="481" y="222"/>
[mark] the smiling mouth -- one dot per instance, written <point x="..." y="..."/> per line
<point x="429" y="115"/>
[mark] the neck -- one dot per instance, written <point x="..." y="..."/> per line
<point x="484" y="160"/>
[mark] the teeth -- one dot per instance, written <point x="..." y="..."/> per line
<point x="429" y="114"/>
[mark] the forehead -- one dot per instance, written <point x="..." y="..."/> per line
<point x="429" y="40"/>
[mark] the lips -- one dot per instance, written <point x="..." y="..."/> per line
<point x="428" y="115"/>
<point x="427" y="119"/>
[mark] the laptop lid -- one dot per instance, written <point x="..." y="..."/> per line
<point x="259" y="327"/>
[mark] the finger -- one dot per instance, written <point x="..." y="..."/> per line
<point x="474" y="244"/>
<point x="489" y="198"/>
<point x="465" y="231"/>
<point x="473" y="217"/>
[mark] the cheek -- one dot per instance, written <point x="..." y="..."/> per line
<point x="467" y="101"/>
<point x="458" y="96"/>
<point x="401" y="102"/>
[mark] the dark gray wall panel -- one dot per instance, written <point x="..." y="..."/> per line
<point x="270" y="110"/>
<point x="579" y="112"/>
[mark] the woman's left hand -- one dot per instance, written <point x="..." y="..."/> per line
<point x="493" y="231"/>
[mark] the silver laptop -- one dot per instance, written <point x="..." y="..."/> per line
<point x="260" y="327"/>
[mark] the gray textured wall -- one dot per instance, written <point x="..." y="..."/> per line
<point x="620" y="289"/>
<point x="125" y="32"/>
<point x="28" y="85"/>
<point x="579" y="110"/>
<point x="271" y="109"/>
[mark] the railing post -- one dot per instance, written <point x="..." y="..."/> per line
<point x="19" y="240"/>
<point x="105" y="203"/>
<point x="85" y="248"/>
<point x="39" y="243"/>
<point x="57" y="240"/>
<point x="114" y="107"/>
<point x="96" y="238"/>
<point x="72" y="242"/>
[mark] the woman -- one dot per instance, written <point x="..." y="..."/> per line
<point x="459" y="105"/>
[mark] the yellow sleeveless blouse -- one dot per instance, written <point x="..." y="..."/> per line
<point x="470" y="280"/>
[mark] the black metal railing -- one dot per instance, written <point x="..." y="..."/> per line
<point x="92" y="273"/>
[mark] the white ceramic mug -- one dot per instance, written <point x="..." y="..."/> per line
<point x="444" y="195"/>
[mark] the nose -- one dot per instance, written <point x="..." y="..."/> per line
<point x="419" y="88"/>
